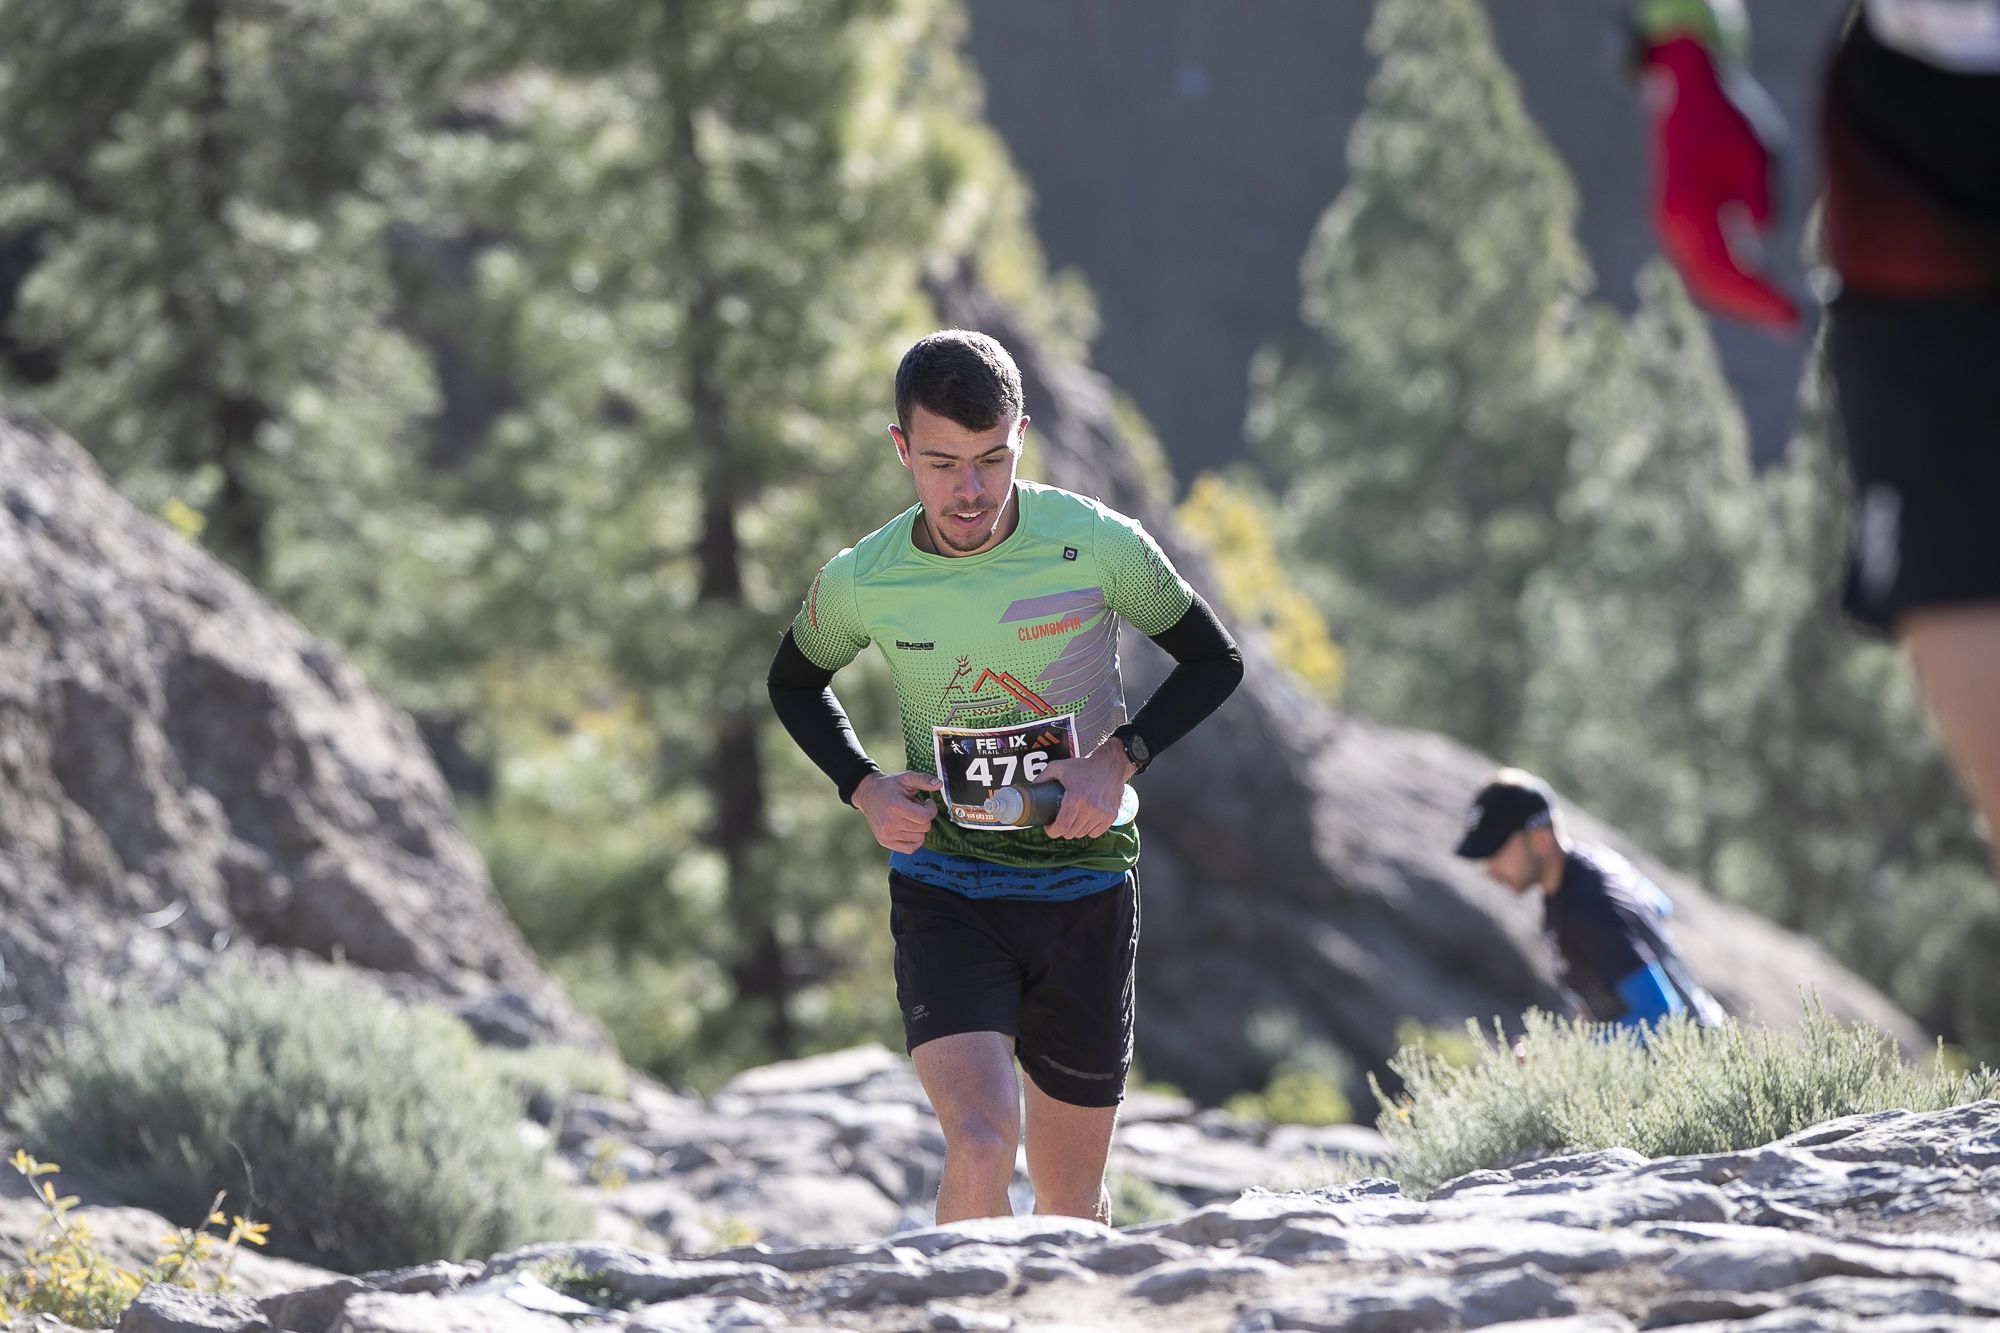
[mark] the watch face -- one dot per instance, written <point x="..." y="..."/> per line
<point x="1136" y="751"/>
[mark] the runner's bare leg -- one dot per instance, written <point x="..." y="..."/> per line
<point x="971" y="1082"/>
<point x="1957" y="655"/>
<point x="1067" y="1150"/>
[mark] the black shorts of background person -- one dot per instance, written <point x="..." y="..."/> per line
<point x="1912" y="228"/>
<point x="1912" y="218"/>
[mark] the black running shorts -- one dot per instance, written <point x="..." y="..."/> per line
<point x="1917" y="384"/>
<point x="1055" y="976"/>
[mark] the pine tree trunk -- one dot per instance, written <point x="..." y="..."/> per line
<point x="735" y="772"/>
<point x="237" y="518"/>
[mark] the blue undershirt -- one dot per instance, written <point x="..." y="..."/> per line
<point x="972" y="878"/>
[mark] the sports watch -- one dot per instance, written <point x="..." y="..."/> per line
<point x="1136" y="748"/>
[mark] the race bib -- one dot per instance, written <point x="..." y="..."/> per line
<point x="974" y="762"/>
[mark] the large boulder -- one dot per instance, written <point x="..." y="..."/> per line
<point x="1298" y="877"/>
<point x="185" y="771"/>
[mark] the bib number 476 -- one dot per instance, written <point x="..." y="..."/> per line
<point x="1004" y="770"/>
<point x="974" y="762"/>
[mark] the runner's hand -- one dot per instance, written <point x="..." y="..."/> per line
<point x="899" y="807"/>
<point x="1092" y="789"/>
<point x="1713" y="167"/>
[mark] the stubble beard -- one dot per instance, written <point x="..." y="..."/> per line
<point x="970" y="546"/>
<point x="941" y="533"/>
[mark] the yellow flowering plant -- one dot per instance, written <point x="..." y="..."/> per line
<point x="64" y="1274"/>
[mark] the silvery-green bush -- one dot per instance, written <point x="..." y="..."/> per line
<point x="1583" y="1087"/>
<point x="369" y="1135"/>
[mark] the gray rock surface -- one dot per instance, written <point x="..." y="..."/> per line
<point x="172" y="1310"/>
<point x="184" y="772"/>
<point x="826" y="1151"/>
<point x="1298" y="861"/>
<point x="1581" y="1244"/>
<point x="791" y="1165"/>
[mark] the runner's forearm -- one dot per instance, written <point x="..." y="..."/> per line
<point x="1207" y="669"/>
<point x="802" y="695"/>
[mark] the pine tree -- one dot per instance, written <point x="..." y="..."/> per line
<point x="1640" y="633"/>
<point x="205" y="188"/>
<point x="705" y="229"/>
<point x="1422" y="442"/>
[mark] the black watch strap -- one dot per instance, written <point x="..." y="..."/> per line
<point x="1136" y="748"/>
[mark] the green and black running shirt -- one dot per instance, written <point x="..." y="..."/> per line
<point x="1004" y="660"/>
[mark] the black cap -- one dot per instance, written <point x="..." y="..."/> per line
<point x="1512" y="801"/>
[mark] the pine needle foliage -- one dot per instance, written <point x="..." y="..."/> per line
<point x="698" y="237"/>
<point x="210" y="190"/>
<point x="1417" y="432"/>
<point x="1657" y="555"/>
<point x="367" y="1134"/>
<point x="1584" y="1087"/>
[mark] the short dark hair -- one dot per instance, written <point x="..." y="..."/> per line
<point x="962" y="375"/>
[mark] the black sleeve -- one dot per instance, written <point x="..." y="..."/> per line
<point x="1207" y="668"/>
<point x="802" y="695"/>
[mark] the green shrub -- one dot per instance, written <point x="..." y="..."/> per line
<point x="1135" y="1199"/>
<point x="1449" y="1044"/>
<point x="658" y="1011"/>
<point x="1583" y="1087"/>
<point x="556" y="1073"/>
<point x="569" y="1278"/>
<point x="367" y="1134"/>
<point x="1294" y="1096"/>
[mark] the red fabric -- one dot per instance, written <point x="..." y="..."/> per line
<point x="1710" y="171"/>
<point x="1887" y="234"/>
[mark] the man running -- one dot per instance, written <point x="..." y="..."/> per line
<point x="1911" y="145"/>
<point x="996" y="603"/>
<point x="1604" y="921"/>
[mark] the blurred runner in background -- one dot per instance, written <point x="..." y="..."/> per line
<point x="1910" y="136"/>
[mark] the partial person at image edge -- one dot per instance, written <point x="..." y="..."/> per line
<point x="1910" y="151"/>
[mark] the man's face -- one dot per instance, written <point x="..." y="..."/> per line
<point x="964" y="477"/>
<point x="1515" y="867"/>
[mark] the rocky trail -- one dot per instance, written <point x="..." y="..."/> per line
<point x="1882" y="1221"/>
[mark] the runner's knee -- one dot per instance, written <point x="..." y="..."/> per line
<point x="982" y="1141"/>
